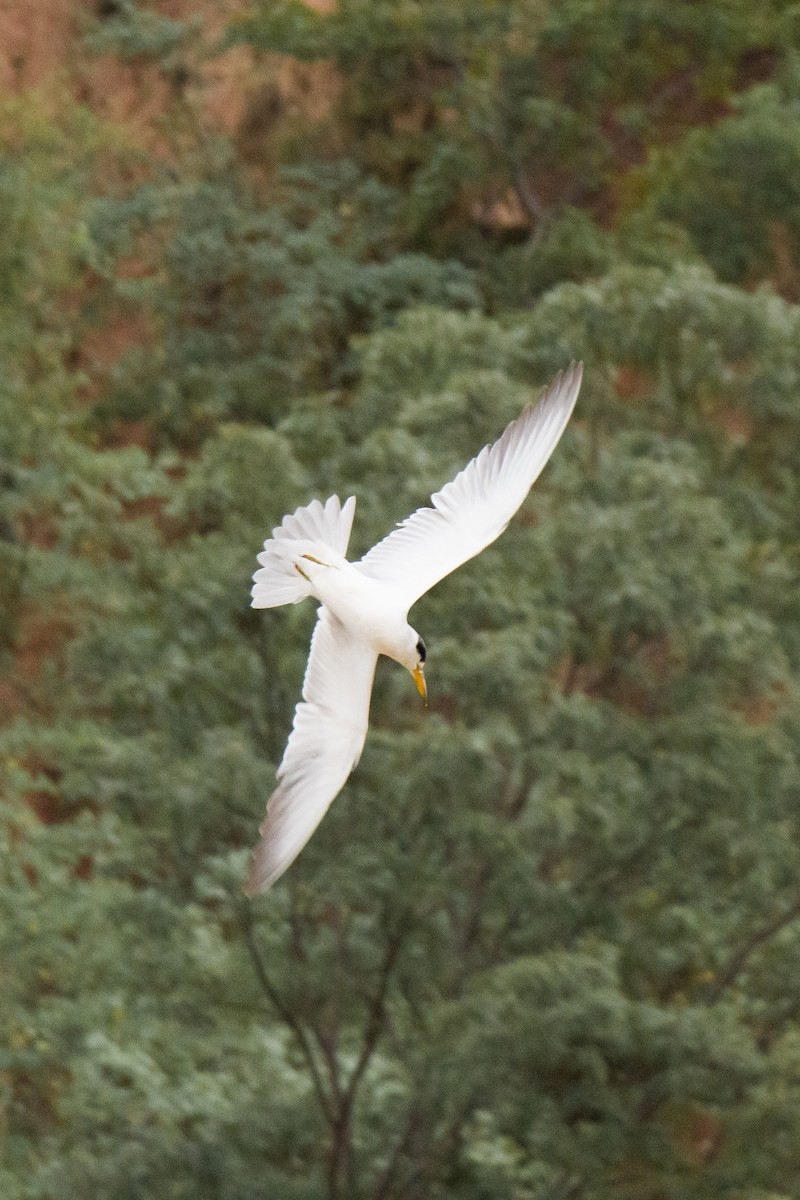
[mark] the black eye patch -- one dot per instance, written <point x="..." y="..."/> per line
<point x="422" y="650"/>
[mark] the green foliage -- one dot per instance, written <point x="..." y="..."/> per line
<point x="751" y="217"/>
<point x="526" y="98"/>
<point x="136" y="31"/>
<point x="258" y="304"/>
<point x="546" y="942"/>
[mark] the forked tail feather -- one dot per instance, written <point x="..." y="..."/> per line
<point x="278" y="581"/>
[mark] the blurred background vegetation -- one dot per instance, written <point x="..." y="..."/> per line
<point x="546" y="945"/>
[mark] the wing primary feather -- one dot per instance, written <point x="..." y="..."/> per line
<point x="475" y="507"/>
<point x="328" y="734"/>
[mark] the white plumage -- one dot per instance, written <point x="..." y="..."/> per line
<point x="364" y="609"/>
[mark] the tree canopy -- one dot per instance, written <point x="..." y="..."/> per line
<point x="545" y="946"/>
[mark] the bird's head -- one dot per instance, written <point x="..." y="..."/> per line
<point x="414" y="661"/>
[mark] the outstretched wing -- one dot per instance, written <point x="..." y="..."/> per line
<point x="469" y="513"/>
<point x="330" y="727"/>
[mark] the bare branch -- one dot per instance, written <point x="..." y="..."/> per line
<point x="385" y="1180"/>
<point x="531" y="203"/>
<point x="375" y="1018"/>
<point x="289" y="1019"/>
<point x="755" y="941"/>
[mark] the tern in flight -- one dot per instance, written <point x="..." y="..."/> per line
<point x="364" y="610"/>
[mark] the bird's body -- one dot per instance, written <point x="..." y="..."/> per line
<point x="364" y="610"/>
<point x="359" y="602"/>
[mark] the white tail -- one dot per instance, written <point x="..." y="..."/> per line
<point x="278" y="582"/>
